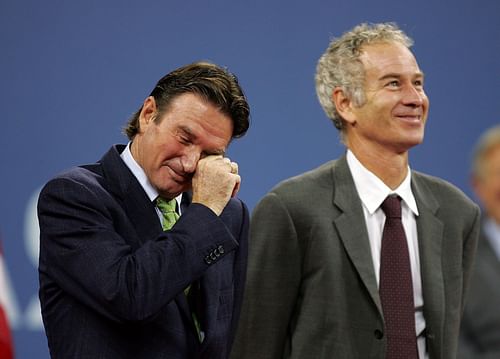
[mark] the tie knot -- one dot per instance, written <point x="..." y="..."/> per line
<point x="392" y="207"/>
<point x="167" y="209"/>
<point x="166" y="206"/>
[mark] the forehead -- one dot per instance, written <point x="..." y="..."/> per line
<point x="382" y="58"/>
<point x="492" y="155"/>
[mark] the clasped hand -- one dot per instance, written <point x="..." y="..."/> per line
<point x="215" y="181"/>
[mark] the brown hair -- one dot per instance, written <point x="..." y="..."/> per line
<point x="213" y="83"/>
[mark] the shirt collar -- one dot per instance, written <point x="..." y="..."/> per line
<point x="139" y="173"/>
<point x="492" y="231"/>
<point x="372" y="191"/>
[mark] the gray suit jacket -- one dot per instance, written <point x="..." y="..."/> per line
<point x="480" y="332"/>
<point x="311" y="289"/>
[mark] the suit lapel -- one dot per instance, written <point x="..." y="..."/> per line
<point x="354" y="236"/>
<point x="430" y="238"/>
<point x="352" y="227"/>
<point x="140" y="210"/>
<point x="127" y="189"/>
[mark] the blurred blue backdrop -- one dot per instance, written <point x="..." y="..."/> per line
<point x="72" y="72"/>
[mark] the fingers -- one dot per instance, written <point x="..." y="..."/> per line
<point x="236" y="186"/>
<point x="233" y="169"/>
<point x="215" y="181"/>
<point x="232" y="166"/>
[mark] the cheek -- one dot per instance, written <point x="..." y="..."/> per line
<point x="496" y="193"/>
<point x="490" y="194"/>
<point x="170" y="150"/>
<point x="426" y="105"/>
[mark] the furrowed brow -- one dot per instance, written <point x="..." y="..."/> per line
<point x="189" y="133"/>
<point x="216" y="153"/>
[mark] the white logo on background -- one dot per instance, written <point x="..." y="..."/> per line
<point x="32" y="315"/>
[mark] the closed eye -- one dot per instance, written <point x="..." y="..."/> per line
<point x="185" y="140"/>
<point x="185" y="135"/>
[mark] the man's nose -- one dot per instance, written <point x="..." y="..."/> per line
<point x="190" y="160"/>
<point x="413" y="96"/>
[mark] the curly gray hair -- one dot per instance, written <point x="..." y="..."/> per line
<point x="340" y="66"/>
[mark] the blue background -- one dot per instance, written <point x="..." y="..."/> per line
<point x="72" y="72"/>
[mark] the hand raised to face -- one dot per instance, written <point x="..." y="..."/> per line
<point x="215" y="181"/>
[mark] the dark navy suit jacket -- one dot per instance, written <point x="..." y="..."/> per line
<point x="111" y="281"/>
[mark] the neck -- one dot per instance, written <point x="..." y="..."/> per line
<point x="391" y="167"/>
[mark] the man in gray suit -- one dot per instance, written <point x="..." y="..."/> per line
<point x="315" y="246"/>
<point x="480" y="332"/>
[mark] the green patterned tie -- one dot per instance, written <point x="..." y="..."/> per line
<point x="167" y="209"/>
<point x="170" y="216"/>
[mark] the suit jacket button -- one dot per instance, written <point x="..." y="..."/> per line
<point x="213" y="256"/>
<point x="378" y="334"/>
<point x="220" y="249"/>
<point x="208" y="260"/>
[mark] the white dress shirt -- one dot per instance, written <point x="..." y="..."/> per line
<point x="372" y="192"/>
<point x="492" y="231"/>
<point x="150" y="190"/>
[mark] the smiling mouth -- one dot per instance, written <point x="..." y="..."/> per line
<point x="411" y="118"/>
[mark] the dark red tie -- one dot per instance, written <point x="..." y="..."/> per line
<point x="396" y="286"/>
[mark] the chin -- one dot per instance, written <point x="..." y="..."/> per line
<point x="415" y="139"/>
<point x="170" y="191"/>
<point x="417" y="142"/>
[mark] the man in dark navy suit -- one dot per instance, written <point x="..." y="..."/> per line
<point x="116" y="279"/>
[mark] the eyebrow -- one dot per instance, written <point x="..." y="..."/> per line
<point x="398" y="75"/>
<point x="216" y="152"/>
<point x="192" y="136"/>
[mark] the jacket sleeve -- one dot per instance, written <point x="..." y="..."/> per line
<point x="87" y="252"/>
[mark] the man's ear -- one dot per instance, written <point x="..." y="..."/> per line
<point x="343" y="105"/>
<point x="148" y="112"/>
<point x="475" y="183"/>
